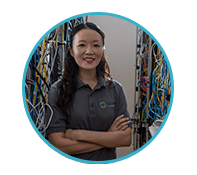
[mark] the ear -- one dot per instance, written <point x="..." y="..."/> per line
<point x="71" y="52"/>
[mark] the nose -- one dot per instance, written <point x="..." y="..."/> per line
<point x="89" y="50"/>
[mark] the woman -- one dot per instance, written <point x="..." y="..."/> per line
<point x="90" y="116"/>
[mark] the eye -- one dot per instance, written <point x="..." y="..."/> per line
<point x="96" y="45"/>
<point x="81" y="45"/>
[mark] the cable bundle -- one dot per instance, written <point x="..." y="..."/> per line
<point x="160" y="97"/>
<point x="45" y="68"/>
<point x="152" y="92"/>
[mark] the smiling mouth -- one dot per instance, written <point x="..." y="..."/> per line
<point x="89" y="60"/>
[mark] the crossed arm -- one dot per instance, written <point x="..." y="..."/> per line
<point x="82" y="141"/>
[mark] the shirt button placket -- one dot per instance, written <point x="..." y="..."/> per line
<point x="91" y="104"/>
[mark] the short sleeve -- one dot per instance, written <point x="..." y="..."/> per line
<point x="58" y="121"/>
<point x="121" y="103"/>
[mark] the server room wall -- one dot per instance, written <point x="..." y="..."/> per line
<point x="121" y="56"/>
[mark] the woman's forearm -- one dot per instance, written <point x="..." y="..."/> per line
<point x="106" y="139"/>
<point x="71" y="147"/>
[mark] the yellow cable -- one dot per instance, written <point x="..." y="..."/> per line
<point x="75" y="22"/>
<point x="144" y="121"/>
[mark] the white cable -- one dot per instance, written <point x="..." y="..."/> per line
<point x="32" y="107"/>
<point x="50" y="118"/>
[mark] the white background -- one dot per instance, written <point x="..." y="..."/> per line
<point x="172" y="23"/>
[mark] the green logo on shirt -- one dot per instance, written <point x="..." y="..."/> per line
<point x="102" y="104"/>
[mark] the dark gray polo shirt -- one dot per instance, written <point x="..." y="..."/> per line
<point x="93" y="110"/>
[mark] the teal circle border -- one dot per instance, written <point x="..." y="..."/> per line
<point x="46" y="141"/>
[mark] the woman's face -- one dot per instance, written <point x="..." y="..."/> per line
<point x="87" y="49"/>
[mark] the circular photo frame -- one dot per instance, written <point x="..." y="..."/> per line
<point x="141" y="90"/>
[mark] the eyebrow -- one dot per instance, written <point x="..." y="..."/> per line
<point x="81" y="41"/>
<point x="96" y="41"/>
<point x="85" y="41"/>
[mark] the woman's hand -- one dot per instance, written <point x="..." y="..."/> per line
<point x="119" y="124"/>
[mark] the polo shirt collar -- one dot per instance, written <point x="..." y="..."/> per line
<point x="79" y="82"/>
<point x="101" y="81"/>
